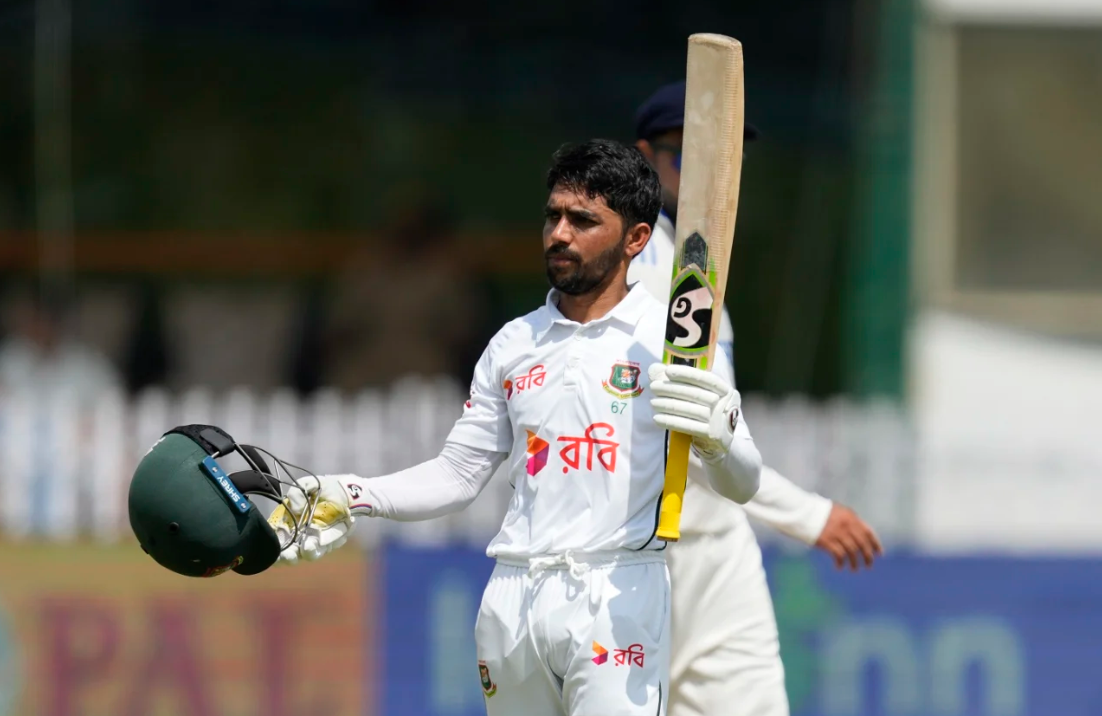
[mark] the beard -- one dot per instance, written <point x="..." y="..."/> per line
<point x="580" y="277"/>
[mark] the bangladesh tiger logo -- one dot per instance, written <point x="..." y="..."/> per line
<point x="489" y="688"/>
<point x="623" y="380"/>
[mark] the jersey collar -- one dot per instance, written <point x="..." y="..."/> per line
<point x="626" y="313"/>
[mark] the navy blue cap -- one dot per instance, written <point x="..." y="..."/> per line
<point x="665" y="110"/>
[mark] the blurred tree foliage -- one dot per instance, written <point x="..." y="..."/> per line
<point x="290" y="117"/>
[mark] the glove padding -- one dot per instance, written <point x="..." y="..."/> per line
<point x="329" y="526"/>
<point x="697" y="403"/>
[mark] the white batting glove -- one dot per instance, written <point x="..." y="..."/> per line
<point x="328" y="528"/>
<point x="697" y="403"/>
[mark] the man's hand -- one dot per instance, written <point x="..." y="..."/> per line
<point x="697" y="403"/>
<point x="325" y="500"/>
<point x="848" y="538"/>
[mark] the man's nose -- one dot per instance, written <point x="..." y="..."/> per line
<point x="562" y="234"/>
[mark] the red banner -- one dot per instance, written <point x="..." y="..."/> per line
<point x="94" y="630"/>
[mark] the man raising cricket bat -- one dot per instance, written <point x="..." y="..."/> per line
<point x="574" y="398"/>
<point x="725" y="656"/>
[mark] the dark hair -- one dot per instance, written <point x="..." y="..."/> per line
<point x="617" y="173"/>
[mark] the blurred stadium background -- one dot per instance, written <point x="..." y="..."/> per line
<point x="302" y="220"/>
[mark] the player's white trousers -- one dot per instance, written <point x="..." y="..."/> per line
<point x="725" y="651"/>
<point x="576" y="635"/>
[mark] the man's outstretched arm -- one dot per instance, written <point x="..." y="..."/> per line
<point x="445" y="484"/>
<point x="479" y="442"/>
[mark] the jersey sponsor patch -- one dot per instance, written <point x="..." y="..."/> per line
<point x="634" y="655"/>
<point x="526" y="381"/>
<point x="592" y="442"/>
<point x="624" y="380"/>
<point x="538" y="450"/>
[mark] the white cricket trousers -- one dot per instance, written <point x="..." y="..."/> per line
<point x="576" y="635"/>
<point x="725" y="652"/>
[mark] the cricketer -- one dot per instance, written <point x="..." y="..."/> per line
<point x="574" y="399"/>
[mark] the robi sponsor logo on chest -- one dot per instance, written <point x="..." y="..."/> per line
<point x="593" y="442"/>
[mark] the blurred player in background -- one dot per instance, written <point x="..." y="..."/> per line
<point x="725" y="652"/>
<point x="575" y="399"/>
<point x="41" y="356"/>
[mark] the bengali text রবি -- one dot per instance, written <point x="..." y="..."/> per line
<point x="605" y="449"/>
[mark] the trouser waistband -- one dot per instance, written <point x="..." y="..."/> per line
<point x="580" y="562"/>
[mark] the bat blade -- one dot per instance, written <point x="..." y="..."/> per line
<point x="711" y="167"/>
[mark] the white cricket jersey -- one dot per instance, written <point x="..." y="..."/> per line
<point x="569" y="403"/>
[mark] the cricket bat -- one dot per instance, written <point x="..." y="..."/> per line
<point x="711" y="165"/>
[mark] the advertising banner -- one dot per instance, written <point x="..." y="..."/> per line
<point x="925" y="636"/>
<point x="89" y="630"/>
<point x="916" y="636"/>
<point x="428" y="664"/>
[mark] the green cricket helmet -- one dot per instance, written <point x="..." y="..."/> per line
<point x="195" y="519"/>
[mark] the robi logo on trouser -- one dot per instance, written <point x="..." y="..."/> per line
<point x="632" y="656"/>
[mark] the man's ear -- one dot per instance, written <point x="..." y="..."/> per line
<point x="648" y="151"/>
<point x="636" y="239"/>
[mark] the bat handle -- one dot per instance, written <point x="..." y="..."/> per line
<point x="673" y="494"/>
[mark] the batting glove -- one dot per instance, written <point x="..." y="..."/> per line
<point x="320" y="506"/>
<point x="697" y="403"/>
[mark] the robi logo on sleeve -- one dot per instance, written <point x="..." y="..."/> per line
<point x="527" y="381"/>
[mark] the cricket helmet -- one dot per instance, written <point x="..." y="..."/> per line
<point x="195" y="519"/>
